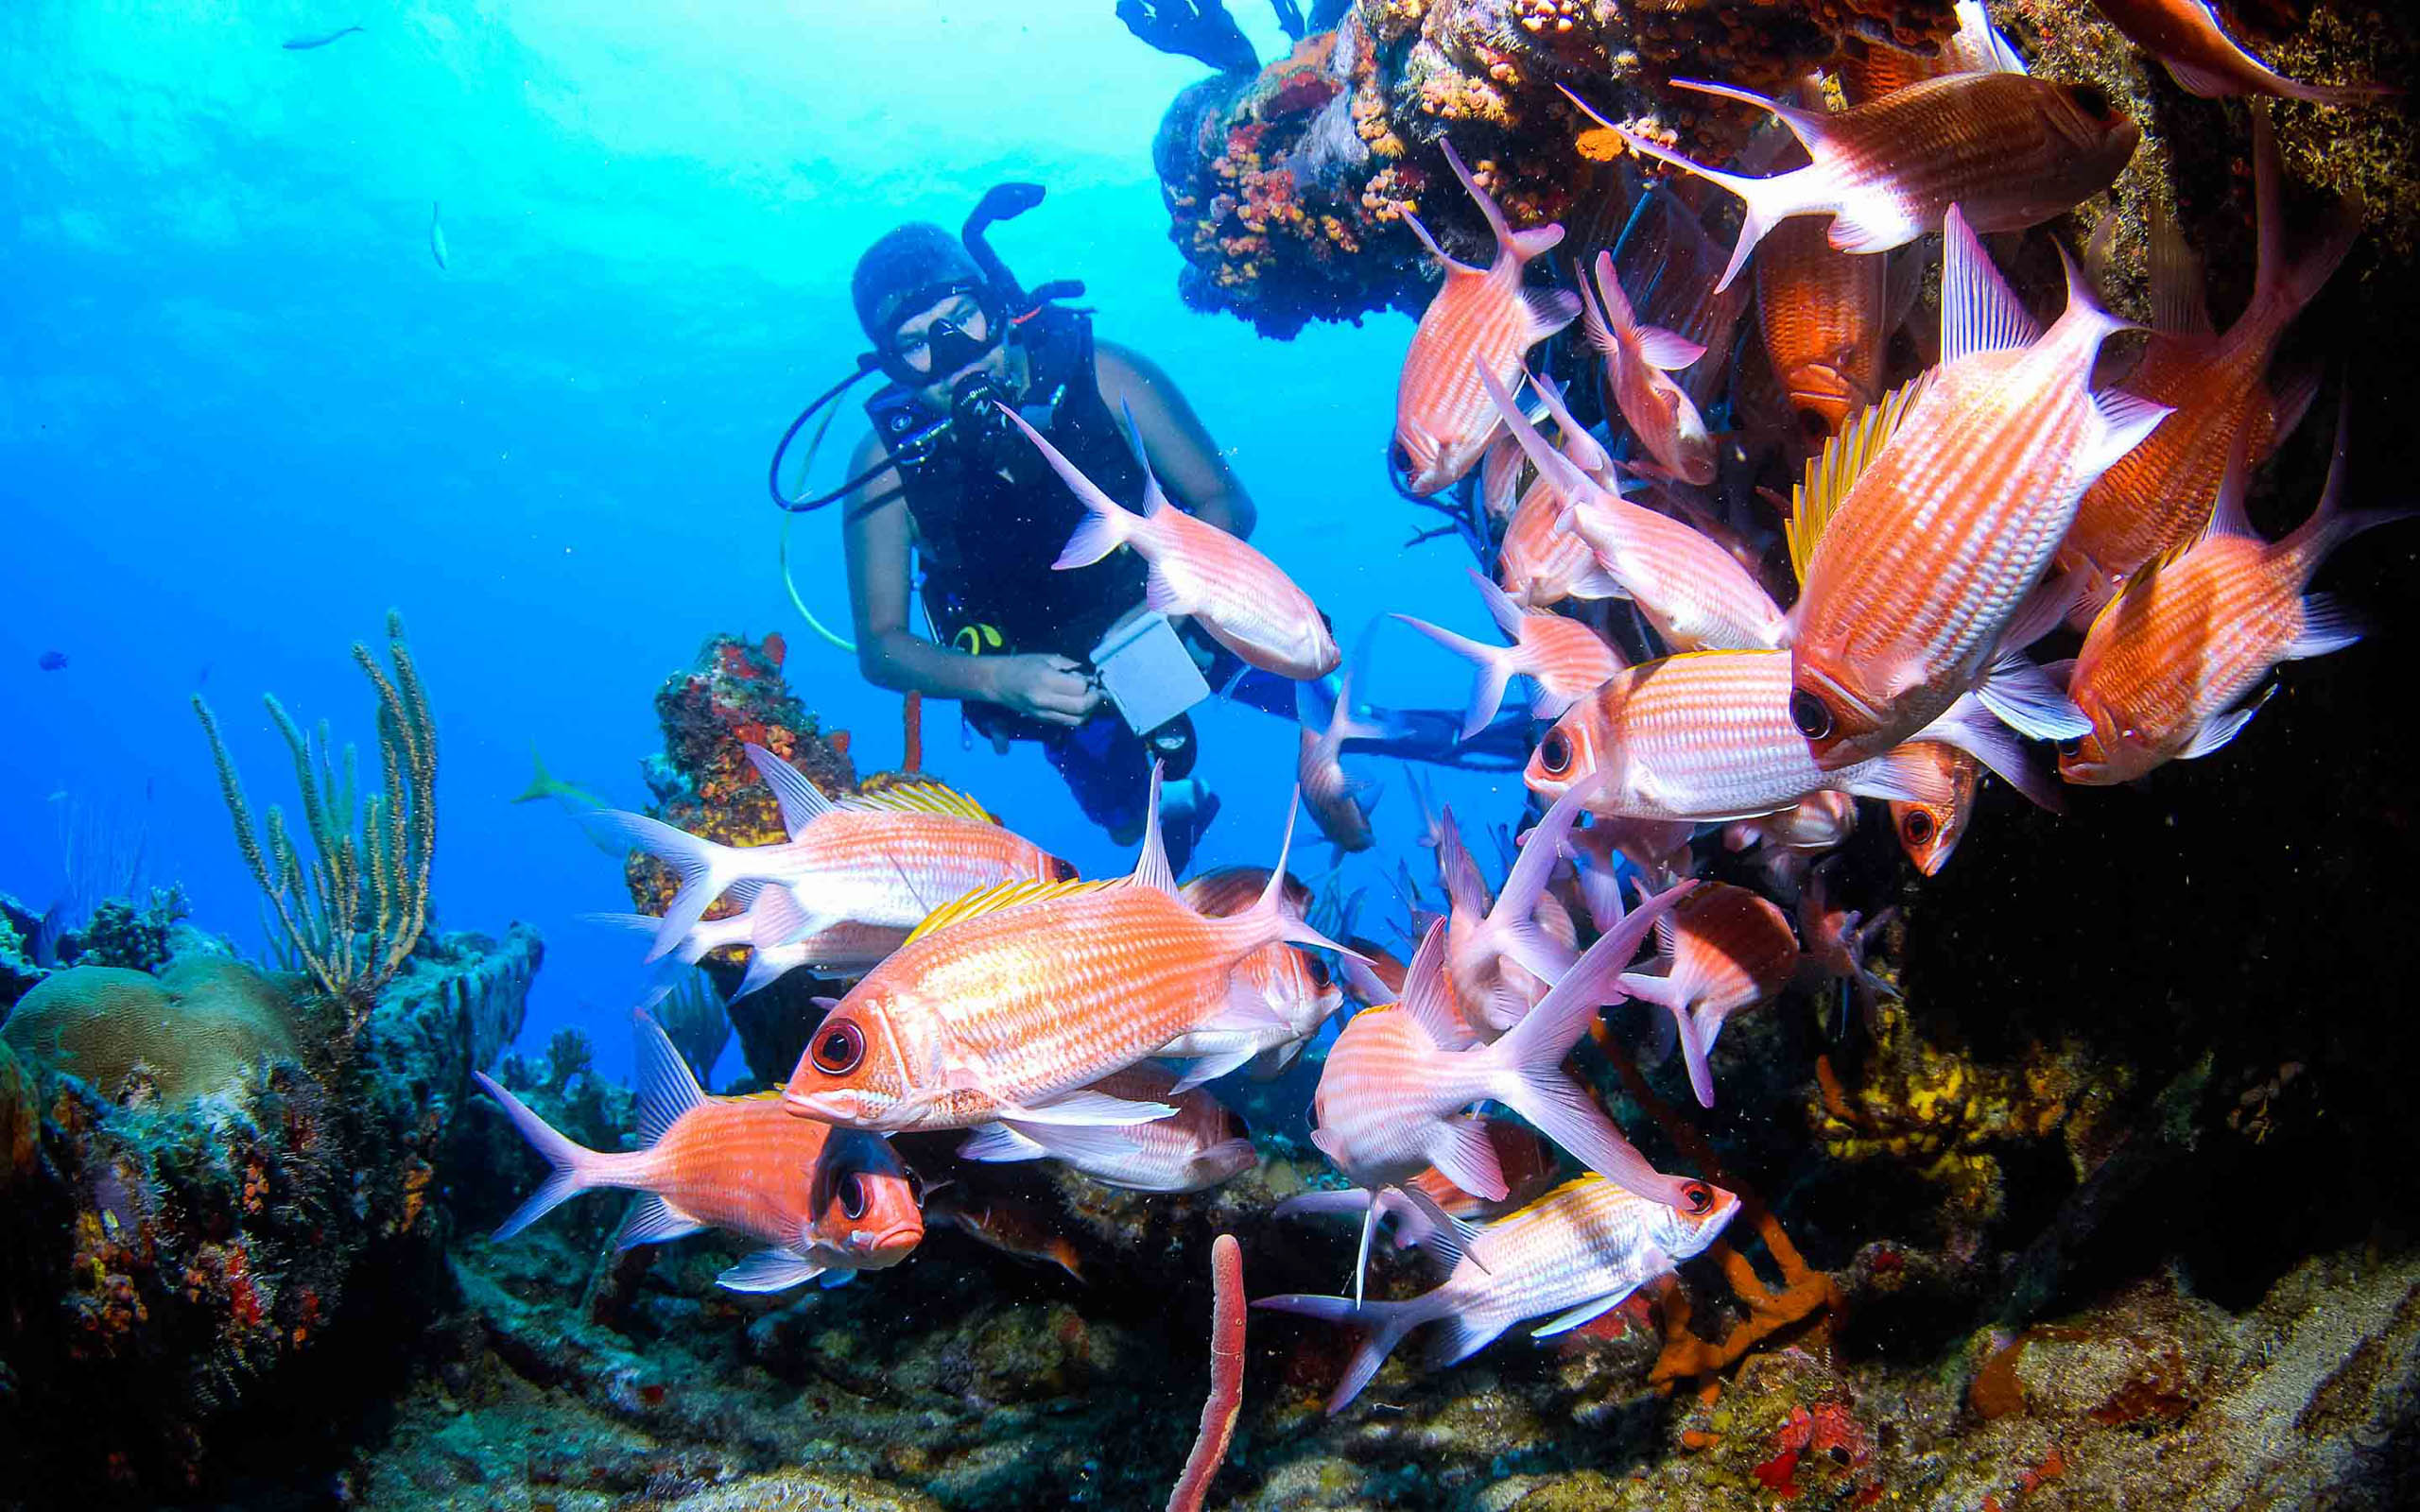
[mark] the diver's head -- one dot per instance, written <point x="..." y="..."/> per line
<point x="934" y="319"/>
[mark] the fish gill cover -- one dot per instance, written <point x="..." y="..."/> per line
<point x="1949" y="1129"/>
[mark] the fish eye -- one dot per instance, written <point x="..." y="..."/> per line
<point x="1916" y="826"/>
<point x="838" y="1047"/>
<point x="915" y="1187"/>
<point x="2070" y="748"/>
<point x="1554" y="753"/>
<point x="1319" y="975"/>
<point x="851" y="1192"/>
<point x="1697" y="1199"/>
<point x="2092" y="100"/>
<point x="1236" y="1127"/>
<point x="1061" y="870"/>
<point x="1808" y="713"/>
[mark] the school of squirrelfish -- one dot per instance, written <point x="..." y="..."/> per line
<point x="1700" y="666"/>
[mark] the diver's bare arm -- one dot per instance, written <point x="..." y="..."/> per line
<point x="1190" y="470"/>
<point x="875" y="532"/>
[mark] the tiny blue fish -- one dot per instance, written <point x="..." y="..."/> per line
<point x="53" y="660"/>
<point x="303" y="45"/>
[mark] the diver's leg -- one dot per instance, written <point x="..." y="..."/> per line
<point x="1105" y="768"/>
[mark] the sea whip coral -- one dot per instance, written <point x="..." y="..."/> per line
<point x="1226" y="1377"/>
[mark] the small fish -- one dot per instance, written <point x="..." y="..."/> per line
<point x="1482" y="320"/>
<point x="1001" y="1224"/>
<point x="1924" y="530"/>
<point x="1500" y="477"/>
<point x="886" y="858"/>
<point x="1542" y="564"/>
<point x="1637" y="357"/>
<point x="1837" y="938"/>
<point x="304" y="44"/>
<point x="1201" y="1145"/>
<point x="1791" y="840"/>
<point x="1007" y="1005"/>
<point x="436" y="236"/>
<point x="52" y="662"/>
<point x="1333" y="797"/>
<point x="841" y="950"/>
<point x="1929" y="831"/>
<point x="1562" y="657"/>
<point x="1824" y="317"/>
<point x="2159" y="495"/>
<point x="1244" y="601"/>
<point x="1576" y="1253"/>
<point x="2009" y="151"/>
<point x="1300" y="992"/>
<point x="2166" y="661"/>
<point x="2187" y="36"/>
<point x="821" y="1200"/>
<point x="1702" y="736"/>
<point x="546" y="784"/>
<point x="1695" y="594"/>
<point x="1721" y="951"/>
<point x="1391" y="1098"/>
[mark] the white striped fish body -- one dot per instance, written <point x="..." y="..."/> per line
<point x="1696" y="594"/>
<point x="1384" y="1099"/>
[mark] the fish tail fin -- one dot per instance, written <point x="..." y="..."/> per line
<point x="706" y="870"/>
<point x="1495" y="670"/>
<point x="1106" y="525"/>
<point x="574" y="1165"/>
<point x="1970" y="726"/>
<point x="1669" y="995"/>
<point x="1384" y="1325"/>
<point x="2280" y="287"/>
<point x="1768" y="201"/>
<point x="1524" y="1069"/>
<point x="2332" y="524"/>
<point x="542" y="781"/>
<point x="1512" y="924"/>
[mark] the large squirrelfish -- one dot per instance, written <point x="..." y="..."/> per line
<point x="821" y="1200"/>
<point x="1639" y="358"/>
<point x="1694" y="593"/>
<point x="2009" y="151"/>
<point x="2187" y="36"/>
<point x="1006" y="1006"/>
<point x="1575" y="1253"/>
<point x="1562" y="657"/>
<point x="2159" y="495"/>
<point x="1721" y="951"/>
<point x="884" y="859"/>
<point x="2165" y="662"/>
<point x="1202" y="1144"/>
<point x="1480" y="318"/>
<point x="1702" y="736"/>
<point x="1931" y="523"/>
<point x="1244" y="600"/>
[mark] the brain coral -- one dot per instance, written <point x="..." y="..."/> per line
<point x="194" y="1030"/>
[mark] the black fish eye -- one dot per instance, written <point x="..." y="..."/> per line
<point x="838" y="1047"/>
<point x="1399" y="457"/>
<point x="853" y="1196"/>
<point x="1808" y="713"/>
<point x="1320" y="976"/>
<point x="1554" y="753"/>
<point x="2092" y="100"/>
<point x="1698" y="1198"/>
<point x="1917" y="826"/>
<point x="2070" y="748"/>
<point x="1063" y="871"/>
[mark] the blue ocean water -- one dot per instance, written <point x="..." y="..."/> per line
<point x="243" y="411"/>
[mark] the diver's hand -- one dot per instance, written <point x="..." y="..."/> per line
<point x="1049" y="687"/>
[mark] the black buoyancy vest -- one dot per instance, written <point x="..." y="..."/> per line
<point x="988" y="527"/>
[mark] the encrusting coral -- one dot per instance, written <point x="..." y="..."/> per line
<point x="201" y="1026"/>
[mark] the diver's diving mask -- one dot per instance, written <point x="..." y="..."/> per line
<point x="967" y="329"/>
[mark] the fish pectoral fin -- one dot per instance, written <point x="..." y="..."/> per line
<point x="1573" y="1317"/>
<point x="999" y="1142"/>
<point x="2327" y="626"/>
<point x="771" y="1269"/>
<point x="1214" y="1064"/>
<point x="653" y="1221"/>
<point x="2029" y="702"/>
<point x="1097" y="1110"/>
<point x="1081" y="1147"/>
<point x="2221" y="727"/>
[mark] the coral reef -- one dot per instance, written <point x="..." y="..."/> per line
<point x="733" y="697"/>
<point x="201" y="1027"/>
<point x="138" y="936"/>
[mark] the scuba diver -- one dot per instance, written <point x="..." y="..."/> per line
<point x="1073" y="661"/>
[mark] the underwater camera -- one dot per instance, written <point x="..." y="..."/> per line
<point x="973" y="422"/>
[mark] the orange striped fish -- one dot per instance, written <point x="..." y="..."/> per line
<point x="1975" y="47"/>
<point x="1242" y="599"/>
<point x="2159" y="495"/>
<point x="1390" y="1099"/>
<point x="2187" y="36"/>
<point x="1564" y="658"/>
<point x="1006" y="1006"/>
<point x="882" y="859"/>
<point x="1924" y="528"/>
<point x="1500" y="477"/>
<point x="1480" y="318"/>
<point x="1694" y="593"/>
<point x="1199" y="1146"/>
<point x="819" y="1200"/>
<point x="1575" y="1253"/>
<point x="2166" y="661"/>
<point x="1929" y="831"/>
<point x="1721" y="951"/>
<point x="1701" y="737"/>
<point x="1542" y="564"/>
<point x="1823" y="315"/>
<point x="1637" y="357"/>
<point x="2009" y="151"/>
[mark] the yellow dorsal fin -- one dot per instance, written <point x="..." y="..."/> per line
<point x="1832" y="471"/>
<point x="917" y="798"/>
<point x="998" y="896"/>
<point x="1592" y="1178"/>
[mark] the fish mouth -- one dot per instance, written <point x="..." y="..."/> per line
<point x="879" y="1252"/>
<point x="824" y="1108"/>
